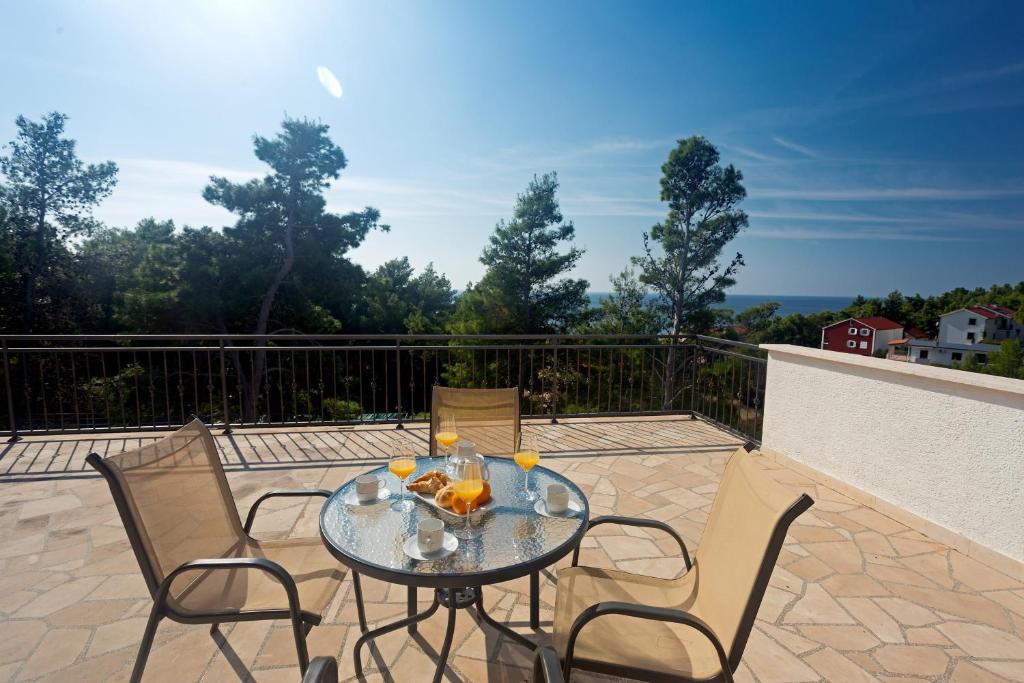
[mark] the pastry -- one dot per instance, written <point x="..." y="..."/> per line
<point x="430" y="482"/>
<point x="445" y="496"/>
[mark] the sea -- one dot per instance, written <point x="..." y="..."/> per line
<point x="789" y="303"/>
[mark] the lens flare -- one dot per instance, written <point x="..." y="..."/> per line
<point x="328" y="80"/>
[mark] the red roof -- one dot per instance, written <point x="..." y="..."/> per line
<point x="916" y="333"/>
<point x="879" y="323"/>
<point x="875" y="322"/>
<point x="983" y="312"/>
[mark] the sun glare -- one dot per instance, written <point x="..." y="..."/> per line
<point x="328" y="80"/>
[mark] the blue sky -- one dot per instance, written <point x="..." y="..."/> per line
<point x="882" y="143"/>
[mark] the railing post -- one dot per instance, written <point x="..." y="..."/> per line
<point x="554" y="394"/>
<point x="398" y="380"/>
<point x="224" y="386"/>
<point x="10" y="396"/>
<point x="693" y="379"/>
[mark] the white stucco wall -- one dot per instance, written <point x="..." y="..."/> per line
<point x="945" y="445"/>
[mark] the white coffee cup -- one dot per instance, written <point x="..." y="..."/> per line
<point x="557" y="499"/>
<point x="430" y="535"/>
<point x="368" y="487"/>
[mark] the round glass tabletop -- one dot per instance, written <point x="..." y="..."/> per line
<point x="514" y="539"/>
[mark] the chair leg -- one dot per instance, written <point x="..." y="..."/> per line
<point x="299" y="631"/>
<point x="147" y="643"/>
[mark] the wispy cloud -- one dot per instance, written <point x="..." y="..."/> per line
<point x="787" y="233"/>
<point x="856" y="194"/>
<point x="799" y="149"/>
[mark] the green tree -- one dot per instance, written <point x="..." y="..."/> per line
<point x="626" y="310"/>
<point x="53" y="192"/>
<point x="396" y="300"/>
<point x="523" y="290"/>
<point x="758" y="318"/>
<point x="703" y="217"/>
<point x="287" y="253"/>
<point x="1008" y="361"/>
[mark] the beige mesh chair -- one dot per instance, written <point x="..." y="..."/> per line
<point x="692" y="628"/>
<point x="487" y="417"/>
<point x="197" y="557"/>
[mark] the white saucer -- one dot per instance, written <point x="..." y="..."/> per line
<point x="351" y="499"/>
<point x="448" y="546"/>
<point x="541" y="508"/>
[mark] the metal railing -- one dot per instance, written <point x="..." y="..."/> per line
<point x="97" y="383"/>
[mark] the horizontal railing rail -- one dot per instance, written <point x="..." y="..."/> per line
<point x="97" y="383"/>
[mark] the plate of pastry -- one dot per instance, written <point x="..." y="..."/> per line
<point x="437" y="489"/>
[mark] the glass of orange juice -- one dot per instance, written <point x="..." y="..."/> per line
<point x="526" y="457"/>
<point x="470" y="474"/>
<point x="402" y="463"/>
<point x="446" y="435"/>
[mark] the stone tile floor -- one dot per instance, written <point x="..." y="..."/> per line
<point x="856" y="596"/>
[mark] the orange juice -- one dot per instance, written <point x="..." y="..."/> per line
<point x="526" y="459"/>
<point x="446" y="439"/>
<point x="469" y="489"/>
<point x="402" y="467"/>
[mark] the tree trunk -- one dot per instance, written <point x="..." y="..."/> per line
<point x="668" y="380"/>
<point x="37" y="268"/>
<point x="254" y="385"/>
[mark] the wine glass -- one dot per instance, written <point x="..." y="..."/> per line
<point x="526" y="457"/>
<point x="402" y="463"/>
<point x="447" y="434"/>
<point x="470" y="474"/>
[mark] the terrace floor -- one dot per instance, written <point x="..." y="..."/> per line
<point x="856" y="596"/>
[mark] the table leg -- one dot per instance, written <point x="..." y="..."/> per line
<point x="535" y="600"/>
<point x="411" y="605"/>
<point x="449" y="634"/>
<point x="359" y="602"/>
<point x="521" y="639"/>
<point x="395" y="625"/>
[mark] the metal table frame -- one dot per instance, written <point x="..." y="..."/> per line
<point x="454" y="591"/>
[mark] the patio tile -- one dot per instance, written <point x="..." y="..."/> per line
<point x="57" y="650"/>
<point x="835" y="667"/>
<point x="921" y="660"/>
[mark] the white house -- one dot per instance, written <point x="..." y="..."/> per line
<point x="973" y="330"/>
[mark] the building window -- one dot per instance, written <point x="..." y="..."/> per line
<point x="957" y="355"/>
<point x="863" y="345"/>
<point x="970" y="336"/>
<point x="851" y="344"/>
<point x="982" y="358"/>
<point x="852" y="331"/>
<point x="865" y="332"/>
<point x="923" y="355"/>
<point x="972" y="321"/>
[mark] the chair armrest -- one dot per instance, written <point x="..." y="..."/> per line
<point x="675" y="616"/>
<point x="281" y="493"/>
<point x="260" y="563"/>
<point x="546" y="667"/>
<point x="638" y="522"/>
<point x="322" y="670"/>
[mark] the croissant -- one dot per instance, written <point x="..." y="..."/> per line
<point x="445" y="496"/>
<point x="430" y="485"/>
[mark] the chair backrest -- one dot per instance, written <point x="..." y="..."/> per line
<point x="487" y="417"/>
<point x="739" y="547"/>
<point x="174" y="500"/>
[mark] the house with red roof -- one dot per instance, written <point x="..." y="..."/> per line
<point x="975" y="330"/>
<point x="862" y="336"/>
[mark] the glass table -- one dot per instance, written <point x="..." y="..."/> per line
<point x="515" y="541"/>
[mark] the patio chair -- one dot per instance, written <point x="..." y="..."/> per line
<point x="546" y="667"/>
<point x="487" y="417"/>
<point x="199" y="562"/>
<point x="694" y="627"/>
<point x="322" y="670"/>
